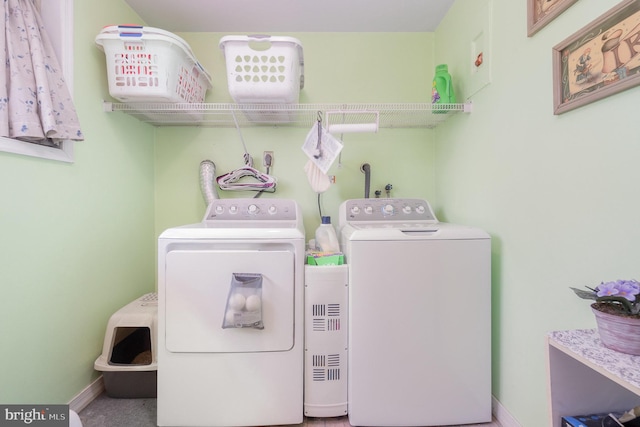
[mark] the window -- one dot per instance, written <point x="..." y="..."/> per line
<point x="58" y="20"/>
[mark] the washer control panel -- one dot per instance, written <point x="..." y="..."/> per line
<point x="387" y="210"/>
<point x="251" y="210"/>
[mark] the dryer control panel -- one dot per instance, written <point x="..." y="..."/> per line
<point x="251" y="210"/>
<point x="356" y="210"/>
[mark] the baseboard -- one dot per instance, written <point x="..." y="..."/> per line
<point x="501" y="414"/>
<point x="96" y="388"/>
<point x="86" y="396"/>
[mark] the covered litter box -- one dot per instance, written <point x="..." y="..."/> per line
<point x="128" y="361"/>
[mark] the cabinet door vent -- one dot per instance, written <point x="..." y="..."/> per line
<point x="333" y="310"/>
<point x="318" y="325"/>
<point x="319" y="309"/>
<point x="326" y="317"/>
<point x="319" y="360"/>
<point x="333" y="324"/>
<point x="326" y="367"/>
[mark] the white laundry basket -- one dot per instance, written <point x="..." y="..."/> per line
<point x="128" y="361"/>
<point x="263" y="69"/>
<point x="146" y="64"/>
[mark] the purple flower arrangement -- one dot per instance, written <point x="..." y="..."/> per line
<point x="622" y="294"/>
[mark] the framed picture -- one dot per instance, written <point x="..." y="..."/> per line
<point x="599" y="60"/>
<point x="541" y="12"/>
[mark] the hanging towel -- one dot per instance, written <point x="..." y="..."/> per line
<point x="35" y="103"/>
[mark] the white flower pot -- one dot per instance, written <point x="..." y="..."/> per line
<point x="619" y="333"/>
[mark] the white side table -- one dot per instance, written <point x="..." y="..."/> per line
<point x="584" y="377"/>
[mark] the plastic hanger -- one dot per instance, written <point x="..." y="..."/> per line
<point x="231" y="181"/>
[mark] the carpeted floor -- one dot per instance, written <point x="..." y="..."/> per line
<point x="108" y="412"/>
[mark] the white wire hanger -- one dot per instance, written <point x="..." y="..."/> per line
<point x="261" y="181"/>
<point x="231" y="181"/>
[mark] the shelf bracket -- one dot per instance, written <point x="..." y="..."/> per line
<point x="107" y="106"/>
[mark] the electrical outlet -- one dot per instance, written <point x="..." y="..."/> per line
<point x="267" y="158"/>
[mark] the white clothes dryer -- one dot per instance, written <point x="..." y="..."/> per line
<point x="216" y="367"/>
<point x="419" y="316"/>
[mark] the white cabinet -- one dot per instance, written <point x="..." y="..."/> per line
<point x="585" y="377"/>
<point x="326" y="296"/>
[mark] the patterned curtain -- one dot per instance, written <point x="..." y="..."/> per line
<point x="35" y="103"/>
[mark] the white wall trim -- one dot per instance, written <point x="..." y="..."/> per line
<point x="58" y="19"/>
<point x="501" y="414"/>
<point x="88" y="395"/>
<point x="96" y="388"/>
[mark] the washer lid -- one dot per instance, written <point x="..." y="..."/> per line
<point x="410" y="231"/>
<point x="397" y="225"/>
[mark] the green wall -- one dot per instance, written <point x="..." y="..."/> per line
<point x="77" y="239"/>
<point x="557" y="193"/>
<point x="80" y="239"/>
<point x="339" y="68"/>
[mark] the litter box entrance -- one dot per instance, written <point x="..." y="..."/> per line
<point x="131" y="346"/>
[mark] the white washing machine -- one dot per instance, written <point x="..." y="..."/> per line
<point x="419" y="316"/>
<point x="224" y="361"/>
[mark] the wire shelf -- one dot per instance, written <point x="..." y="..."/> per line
<point x="289" y="115"/>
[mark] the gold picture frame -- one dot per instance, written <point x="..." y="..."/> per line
<point x="601" y="59"/>
<point x="541" y="12"/>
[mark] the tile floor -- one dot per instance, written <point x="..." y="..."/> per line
<point x="107" y="412"/>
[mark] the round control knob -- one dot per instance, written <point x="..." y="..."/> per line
<point x="253" y="209"/>
<point x="272" y="210"/>
<point x="219" y="209"/>
<point x="233" y="209"/>
<point x="407" y="209"/>
<point x="355" y="210"/>
<point x="387" y="210"/>
<point x="420" y="209"/>
<point x="368" y="210"/>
